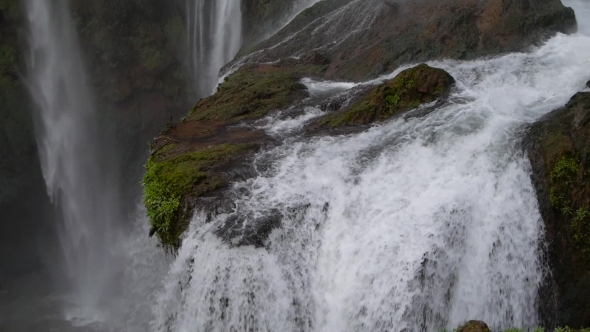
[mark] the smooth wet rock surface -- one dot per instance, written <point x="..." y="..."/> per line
<point x="388" y="34"/>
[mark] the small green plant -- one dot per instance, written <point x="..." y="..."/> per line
<point x="393" y="100"/>
<point x="565" y="171"/>
<point x="562" y="329"/>
<point x="562" y="177"/>
<point x="566" y="211"/>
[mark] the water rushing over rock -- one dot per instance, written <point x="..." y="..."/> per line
<point x="418" y="224"/>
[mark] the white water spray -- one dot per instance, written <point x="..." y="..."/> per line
<point x="214" y="37"/>
<point x="419" y="223"/>
<point x="76" y="160"/>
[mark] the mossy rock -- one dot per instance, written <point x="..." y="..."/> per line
<point x="559" y="149"/>
<point x="253" y="91"/>
<point x="474" y="326"/>
<point x="174" y="177"/>
<point x="409" y="89"/>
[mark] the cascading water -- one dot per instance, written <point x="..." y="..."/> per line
<point x="77" y="159"/>
<point x="214" y="37"/>
<point x="417" y="224"/>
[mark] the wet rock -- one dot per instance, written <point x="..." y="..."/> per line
<point x="558" y="147"/>
<point x="409" y="89"/>
<point x="364" y="39"/>
<point x="193" y="162"/>
<point x="262" y="16"/>
<point x="244" y="230"/>
<point x="474" y="326"/>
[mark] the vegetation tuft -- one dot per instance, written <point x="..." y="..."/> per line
<point x="169" y="180"/>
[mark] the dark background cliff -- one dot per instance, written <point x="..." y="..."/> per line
<point x="135" y="55"/>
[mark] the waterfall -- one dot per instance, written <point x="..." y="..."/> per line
<point x="77" y="156"/>
<point x="416" y="224"/>
<point x="214" y="37"/>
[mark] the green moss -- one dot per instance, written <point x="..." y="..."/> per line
<point x="563" y="175"/>
<point x="580" y="225"/>
<point x="409" y="89"/>
<point x="170" y="178"/>
<point x="566" y="181"/>
<point x="252" y="92"/>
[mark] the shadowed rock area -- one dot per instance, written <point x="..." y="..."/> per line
<point x="559" y="149"/>
<point x="387" y="34"/>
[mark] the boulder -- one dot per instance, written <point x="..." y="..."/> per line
<point x="409" y="89"/>
<point x="558" y="146"/>
<point x="474" y="326"/>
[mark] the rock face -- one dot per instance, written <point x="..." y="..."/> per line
<point x="18" y="154"/>
<point x="409" y="89"/>
<point x="365" y="38"/>
<point x="559" y="149"/>
<point x="193" y="162"/>
<point x="262" y="16"/>
<point x="135" y="55"/>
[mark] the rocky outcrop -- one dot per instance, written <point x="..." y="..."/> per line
<point x="193" y="161"/>
<point x="409" y="89"/>
<point x="363" y="39"/>
<point x="559" y="150"/>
